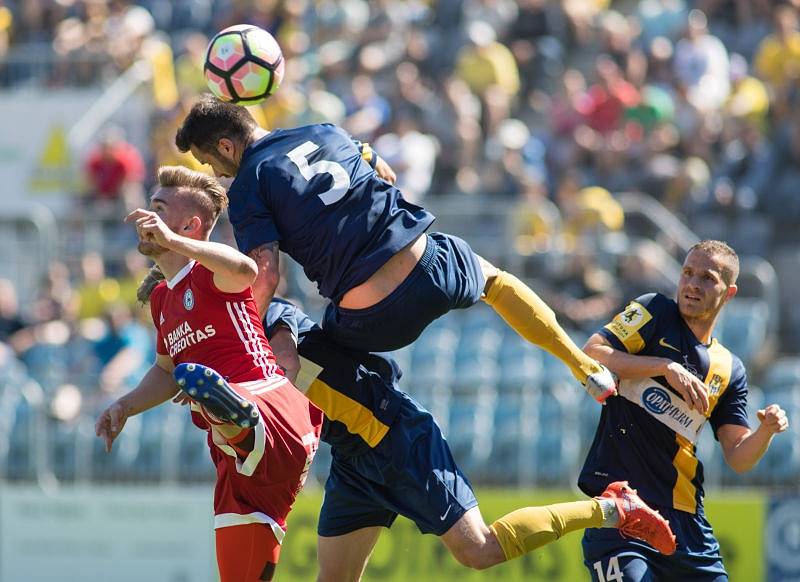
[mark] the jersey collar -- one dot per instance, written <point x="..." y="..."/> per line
<point x="181" y="274"/>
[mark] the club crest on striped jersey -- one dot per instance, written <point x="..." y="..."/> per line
<point x="188" y="300"/>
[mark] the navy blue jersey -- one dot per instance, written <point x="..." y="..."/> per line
<point x="309" y="189"/>
<point x="356" y="390"/>
<point x="647" y="435"/>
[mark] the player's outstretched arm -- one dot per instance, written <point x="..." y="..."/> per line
<point x="742" y="447"/>
<point x="634" y="366"/>
<point x="156" y="387"/>
<point x="233" y="271"/>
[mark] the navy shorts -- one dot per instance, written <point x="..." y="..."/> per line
<point x="697" y="558"/>
<point x="448" y="276"/>
<point x="410" y="473"/>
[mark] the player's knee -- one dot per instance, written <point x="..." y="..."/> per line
<point x="474" y="557"/>
<point x="489" y="270"/>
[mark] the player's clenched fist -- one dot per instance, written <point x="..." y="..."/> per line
<point x="773" y="418"/>
<point x="150" y="227"/>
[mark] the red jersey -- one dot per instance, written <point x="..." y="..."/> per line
<point x="196" y="322"/>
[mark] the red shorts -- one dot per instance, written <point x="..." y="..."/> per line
<point x="246" y="553"/>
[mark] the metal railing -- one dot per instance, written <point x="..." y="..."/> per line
<point x="27" y="246"/>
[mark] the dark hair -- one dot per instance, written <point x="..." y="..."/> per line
<point x="211" y="120"/>
<point x="151" y="280"/>
<point x="717" y="248"/>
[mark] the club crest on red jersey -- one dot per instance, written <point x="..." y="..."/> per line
<point x="188" y="300"/>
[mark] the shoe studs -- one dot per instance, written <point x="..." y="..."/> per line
<point x="208" y="372"/>
<point x="190" y="367"/>
<point x="192" y="391"/>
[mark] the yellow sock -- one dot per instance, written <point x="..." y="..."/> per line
<point x="526" y="529"/>
<point x="531" y="318"/>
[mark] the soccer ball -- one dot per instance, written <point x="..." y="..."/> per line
<point x="244" y="64"/>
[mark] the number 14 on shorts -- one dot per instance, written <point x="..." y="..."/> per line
<point x="612" y="574"/>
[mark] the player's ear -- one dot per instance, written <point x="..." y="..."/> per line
<point x="226" y="147"/>
<point x="193" y="227"/>
<point x="732" y="289"/>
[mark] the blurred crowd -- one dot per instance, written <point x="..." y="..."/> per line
<point x="554" y="107"/>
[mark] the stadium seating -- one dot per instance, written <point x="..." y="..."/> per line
<point x="784" y="373"/>
<point x="511" y="412"/>
<point x="743" y="329"/>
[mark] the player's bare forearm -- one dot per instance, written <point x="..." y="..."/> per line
<point x="623" y="364"/>
<point x="266" y="258"/>
<point x="285" y="350"/>
<point x="633" y="366"/>
<point x="742" y="451"/>
<point x="156" y="387"/>
<point x="233" y="271"/>
<point x="742" y="447"/>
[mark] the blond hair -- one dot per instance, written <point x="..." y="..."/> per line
<point x="205" y="192"/>
<point x="717" y="248"/>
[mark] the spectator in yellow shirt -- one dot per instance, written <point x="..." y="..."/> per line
<point x="777" y="59"/>
<point x="487" y="62"/>
<point x="749" y="99"/>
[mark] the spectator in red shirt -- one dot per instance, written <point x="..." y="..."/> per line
<point x="605" y="102"/>
<point x="114" y="172"/>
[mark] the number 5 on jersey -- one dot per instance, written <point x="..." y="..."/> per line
<point x="341" y="179"/>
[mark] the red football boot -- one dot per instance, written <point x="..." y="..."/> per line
<point x="637" y="520"/>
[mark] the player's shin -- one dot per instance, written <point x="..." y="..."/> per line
<point x="531" y="318"/>
<point x="527" y="529"/>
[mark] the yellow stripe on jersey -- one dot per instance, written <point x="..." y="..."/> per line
<point x="720" y="367"/>
<point x="684" y="494"/>
<point x="355" y="416"/>
<point x="366" y="152"/>
<point x="626" y="326"/>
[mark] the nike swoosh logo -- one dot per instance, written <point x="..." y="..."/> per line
<point x="663" y="342"/>
<point x="441" y="518"/>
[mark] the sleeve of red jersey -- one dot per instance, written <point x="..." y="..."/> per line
<point x="156" y="298"/>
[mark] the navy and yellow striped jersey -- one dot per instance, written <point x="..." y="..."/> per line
<point x="311" y="190"/>
<point x="647" y="435"/>
<point x="356" y="390"/>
